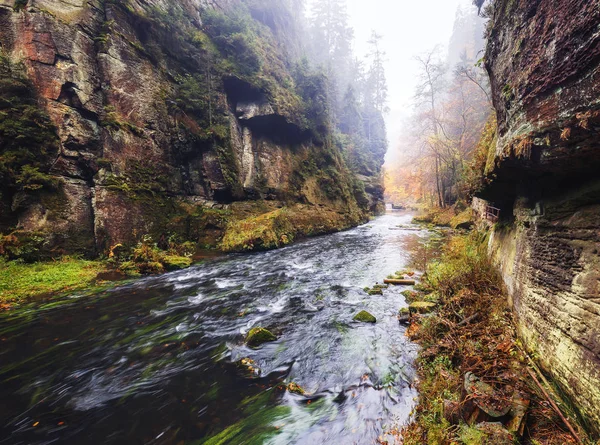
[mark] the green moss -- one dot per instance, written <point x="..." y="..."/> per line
<point x="112" y="119"/>
<point x="365" y="317"/>
<point x="19" y="281"/>
<point x="258" y="336"/>
<point x="411" y="295"/>
<point x="375" y="290"/>
<point x="464" y="220"/>
<point x="175" y="262"/>
<point x="265" y="231"/>
<point x="20" y="5"/>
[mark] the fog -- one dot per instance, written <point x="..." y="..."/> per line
<point x="409" y="28"/>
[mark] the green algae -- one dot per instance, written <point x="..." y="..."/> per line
<point x="258" y="425"/>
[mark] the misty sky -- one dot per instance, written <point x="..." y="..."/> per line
<point x="409" y="27"/>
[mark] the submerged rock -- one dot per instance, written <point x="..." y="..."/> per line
<point x="295" y="389"/>
<point x="258" y="336"/>
<point x="248" y="367"/>
<point x="365" y="317"/>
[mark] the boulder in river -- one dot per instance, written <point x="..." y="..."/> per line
<point x="248" y="367"/>
<point x="258" y="336"/>
<point x="365" y="317"/>
<point x="404" y="316"/>
<point x="374" y="290"/>
<point x="295" y="389"/>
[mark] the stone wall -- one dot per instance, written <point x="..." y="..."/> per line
<point x="543" y="58"/>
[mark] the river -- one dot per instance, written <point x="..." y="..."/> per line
<point x="154" y="361"/>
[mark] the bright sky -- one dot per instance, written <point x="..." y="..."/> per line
<point x="409" y="28"/>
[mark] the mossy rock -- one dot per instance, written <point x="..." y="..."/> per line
<point x="258" y="336"/>
<point x="295" y="389"/>
<point x="248" y="368"/>
<point x="422" y="287"/>
<point x="422" y="307"/>
<point x="365" y="317"/>
<point x="411" y="295"/>
<point x="374" y="291"/>
<point x="464" y="220"/>
<point x="176" y="262"/>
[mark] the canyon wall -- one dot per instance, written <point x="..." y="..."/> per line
<point x="543" y="58"/>
<point x="123" y="119"/>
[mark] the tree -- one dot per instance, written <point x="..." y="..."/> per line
<point x="331" y="44"/>
<point x="479" y="4"/>
<point x="432" y="80"/>
<point x="376" y="88"/>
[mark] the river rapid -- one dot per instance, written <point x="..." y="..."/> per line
<point x="154" y="361"/>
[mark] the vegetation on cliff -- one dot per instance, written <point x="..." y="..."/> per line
<point x="28" y="140"/>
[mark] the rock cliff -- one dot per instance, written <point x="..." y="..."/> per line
<point x="543" y="58"/>
<point x="150" y="117"/>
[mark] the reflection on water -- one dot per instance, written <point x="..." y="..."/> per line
<point x="155" y="361"/>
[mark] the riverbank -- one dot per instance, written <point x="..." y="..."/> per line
<point x="20" y="281"/>
<point x="249" y="230"/>
<point x="476" y="384"/>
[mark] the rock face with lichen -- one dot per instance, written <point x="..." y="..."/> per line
<point x="168" y="119"/>
<point x="544" y="63"/>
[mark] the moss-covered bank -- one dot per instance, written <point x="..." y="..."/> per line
<point x="241" y="227"/>
<point x="20" y="281"/>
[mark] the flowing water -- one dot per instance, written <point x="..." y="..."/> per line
<point x="154" y="361"/>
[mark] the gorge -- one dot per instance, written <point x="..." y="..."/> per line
<point x="244" y="141"/>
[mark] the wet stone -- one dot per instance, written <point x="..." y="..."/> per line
<point x="485" y="397"/>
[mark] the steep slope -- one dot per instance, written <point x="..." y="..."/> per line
<point x="543" y="58"/>
<point x="169" y="119"/>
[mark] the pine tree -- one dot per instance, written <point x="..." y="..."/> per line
<point x="332" y="46"/>
<point x="376" y="87"/>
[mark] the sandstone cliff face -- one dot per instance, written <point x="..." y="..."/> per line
<point x="163" y="111"/>
<point x="543" y="59"/>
